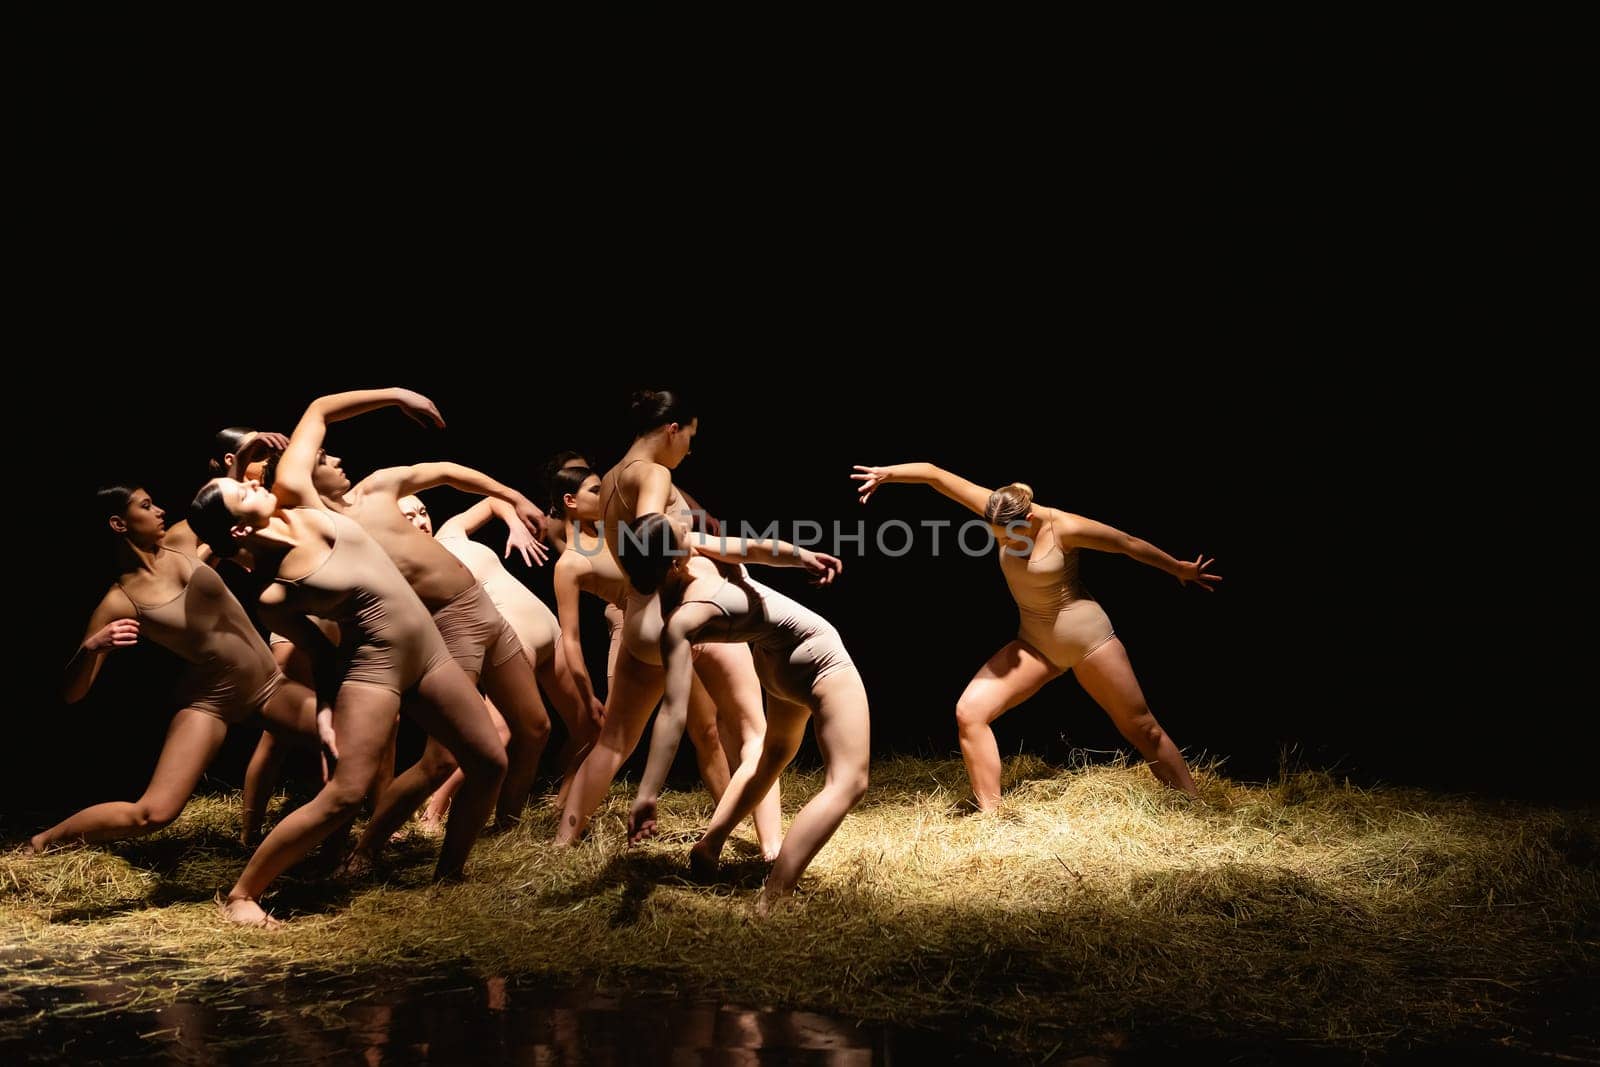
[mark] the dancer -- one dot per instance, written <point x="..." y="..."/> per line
<point x="479" y="639"/>
<point x="586" y="565"/>
<point x="802" y="664"/>
<point x="167" y="596"/>
<point x="640" y="483"/>
<point x="534" y="624"/>
<point x="1062" y="627"/>
<point x="326" y="565"/>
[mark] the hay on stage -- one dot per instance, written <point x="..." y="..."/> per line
<point x="1093" y="903"/>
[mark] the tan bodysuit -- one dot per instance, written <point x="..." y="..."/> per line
<point x="231" y="673"/>
<point x="794" y="647"/>
<point x="388" y="635"/>
<point x="641" y="615"/>
<point x="1058" y="617"/>
<point x="531" y="620"/>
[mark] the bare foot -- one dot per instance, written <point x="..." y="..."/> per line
<point x="430" y="824"/>
<point x="702" y="863"/>
<point x="770" y="900"/>
<point x="641" y="821"/>
<point x="771" y="855"/>
<point x="246" y="912"/>
<point x="36" y="844"/>
<point x="356" y="865"/>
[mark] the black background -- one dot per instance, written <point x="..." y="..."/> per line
<point x="1298" y="323"/>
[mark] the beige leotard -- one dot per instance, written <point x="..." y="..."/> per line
<point x="794" y="647"/>
<point x="531" y="620"/>
<point x="1057" y="615"/>
<point x="231" y="672"/>
<point x="388" y="635"/>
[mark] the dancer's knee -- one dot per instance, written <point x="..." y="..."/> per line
<point x="972" y="714"/>
<point x="154" y="814"/>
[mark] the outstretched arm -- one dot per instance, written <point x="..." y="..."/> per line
<point x="677" y="658"/>
<point x="292" y="485"/>
<point x="963" y="492"/>
<point x="1075" y="531"/>
<point x="114" y="624"/>
<point x="420" y="476"/>
<point x="770" y="552"/>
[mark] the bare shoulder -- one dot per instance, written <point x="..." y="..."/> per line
<point x="116" y="604"/>
<point x="1066" y="525"/>
<point x="383" y="483"/>
<point x="180" y="538"/>
<point x="573" y="564"/>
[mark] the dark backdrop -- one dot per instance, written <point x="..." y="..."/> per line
<point x="1298" y="325"/>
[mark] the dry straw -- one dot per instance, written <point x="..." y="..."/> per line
<point x="1094" y="902"/>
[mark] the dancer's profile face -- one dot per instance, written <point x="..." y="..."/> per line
<point x="328" y="477"/>
<point x="679" y="440"/>
<point x="145" y="523"/>
<point x="246" y="501"/>
<point x="584" y="505"/>
<point x="417" y="512"/>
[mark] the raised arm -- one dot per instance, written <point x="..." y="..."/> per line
<point x="502" y="500"/>
<point x="569" y="569"/>
<point x="113" y="624"/>
<point x="466" y="523"/>
<point x="770" y="552"/>
<point x="1075" y="531"/>
<point x="677" y="659"/>
<point x="292" y="485"/>
<point x="254" y="445"/>
<point x="963" y="492"/>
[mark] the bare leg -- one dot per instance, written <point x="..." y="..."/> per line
<point x="460" y="734"/>
<point x="193" y="739"/>
<point x="511" y="685"/>
<point x="1011" y="676"/>
<point x="433" y="815"/>
<point x="291" y="713"/>
<point x="729" y="673"/>
<point x="452" y="712"/>
<point x="635" y="689"/>
<point x="555" y="678"/>
<point x="752" y="780"/>
<point x="385" y="776"/>
<point x="701" y="723"/>
<point x="844" y="736"/>
<point x="291" y="717"/>
<point x="362" y="716"/>
<point x="1107" y="676"/>
<point x="707" y="740"/>
<point x="266" y="764"/>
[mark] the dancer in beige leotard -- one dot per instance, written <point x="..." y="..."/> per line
<point x="1061" y="627"/>
<point x="803" y="667"/>
<point x="326" y="565"/>
<point x="478" y="637"/>
<point x="534" y="624"/>
<point x="585" y="565"/>
<point x="640" y="483"/>
<point x="167" y="596"/>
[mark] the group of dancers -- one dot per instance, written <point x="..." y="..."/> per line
<point x="323" y="610"/>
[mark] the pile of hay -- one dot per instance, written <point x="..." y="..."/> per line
<point x="1094" y="903"/>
